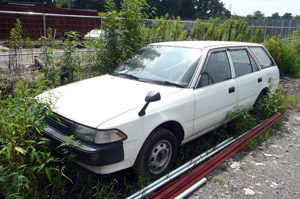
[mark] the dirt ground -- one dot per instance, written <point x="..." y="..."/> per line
<point x="269" y="170"/>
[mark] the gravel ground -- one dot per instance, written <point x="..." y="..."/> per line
<point x="269" y="170"/>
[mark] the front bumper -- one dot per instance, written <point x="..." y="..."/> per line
<point x="88" y="153"/>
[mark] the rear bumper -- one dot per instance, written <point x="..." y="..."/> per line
<point x="88" y="153"/>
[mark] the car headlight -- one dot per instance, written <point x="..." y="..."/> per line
<point x="98" y="136"/>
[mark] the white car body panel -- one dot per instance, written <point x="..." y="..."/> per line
<point x="86" y="101"/>
<point x="213" y="104"/>
<point x="272" y="77"/>
<point x="248" y="89"/>
<point x="156" y="114"/>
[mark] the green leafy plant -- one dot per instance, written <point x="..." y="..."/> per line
<point x="15" y="44"/>
<point x="274" y="46"/>
<point x="286" y="54"/>
<point x="71" y="61"/>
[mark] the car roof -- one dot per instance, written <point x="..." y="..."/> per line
<point x="204" y="44"/>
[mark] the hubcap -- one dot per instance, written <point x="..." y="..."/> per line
<point x="160" y="157"/>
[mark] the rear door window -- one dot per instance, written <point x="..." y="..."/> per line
<point x="241" y="62"/>
<point x="262" y="57"/>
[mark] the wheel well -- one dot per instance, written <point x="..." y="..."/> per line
<point x="175" y="128"/>
<point x="265" y="91"/>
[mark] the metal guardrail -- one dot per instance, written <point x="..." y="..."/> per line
<point x="49" y="14"/>
<point x="180" y="170"/>
<point x="18" y="54"/>
<point x="187" y="181"/>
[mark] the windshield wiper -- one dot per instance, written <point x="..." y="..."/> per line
<point x="164" y="82"/>
<point x="125" y="75"/>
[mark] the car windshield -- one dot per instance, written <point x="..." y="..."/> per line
<point x="162" y="64"/>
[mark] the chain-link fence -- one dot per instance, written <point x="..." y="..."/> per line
<point x="35" y="24"/>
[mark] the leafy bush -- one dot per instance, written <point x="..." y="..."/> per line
<point x="290" y="62"/>
<point x="71" y="61"/>
<point x="274" y="46"/>
<point x="125" y="32"/>
<point x="26" y="163"/>
<point x="28" y="168"/>
<point x="258" y="35"/>
<point x="285" y="55"/>
<point x="276" y="102"/>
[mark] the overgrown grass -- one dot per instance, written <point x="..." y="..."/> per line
<point x="29" y="169"/>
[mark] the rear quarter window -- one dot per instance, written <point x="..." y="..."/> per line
<point x="262" y="57"/>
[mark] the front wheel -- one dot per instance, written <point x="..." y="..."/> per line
<point x="157" y="154"/>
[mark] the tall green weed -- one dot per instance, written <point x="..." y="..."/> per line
<point x="26" y="163"/>
<point x="230" y="30"/>
<point x="286" y="54"/>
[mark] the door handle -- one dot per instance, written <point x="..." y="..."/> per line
<point x="231" y="89"/>
<point x="259" y="80"/>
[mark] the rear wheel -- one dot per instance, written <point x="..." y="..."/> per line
<point x="157" y="154"/>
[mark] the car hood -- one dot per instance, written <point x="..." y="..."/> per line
<point x="94" y="101"/>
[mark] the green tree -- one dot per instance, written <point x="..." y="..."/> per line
<point x="256" y="15"/>
<point x="187" y="9"/>
<point x="287" y="16"/>
<point x="172" y="7"/>
<point x="210" y="8"/>
<point x="275" y="16"/>
<point x="132" y="24"/>
<point x="47" y="3"/>
<point x="90" y="4"/>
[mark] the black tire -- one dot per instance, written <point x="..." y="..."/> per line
<point x="157" y="154"/>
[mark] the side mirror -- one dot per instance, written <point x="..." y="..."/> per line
<point x="152" y="96"/>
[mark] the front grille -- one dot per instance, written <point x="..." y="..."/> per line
<point x="60" y="123"/>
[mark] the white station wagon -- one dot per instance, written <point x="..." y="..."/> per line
<point x="165" y="95"/>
